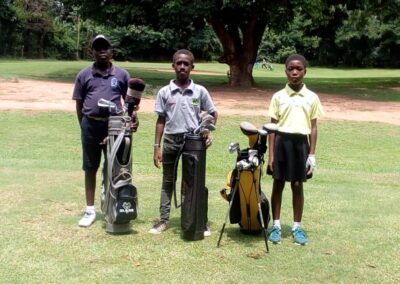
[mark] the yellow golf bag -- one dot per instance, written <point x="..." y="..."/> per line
<point x="248" y="206"/>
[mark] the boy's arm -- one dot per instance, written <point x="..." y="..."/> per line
<point x="215" y="115"/>
<point x="79" y="106"/>
<point x="271" y="145"/>
<point x="311" y="162"/>
<point x="157" y="157"/>
<point x="313" y="137"/>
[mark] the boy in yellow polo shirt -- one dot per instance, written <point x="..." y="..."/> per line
<point x="292" y="148"/>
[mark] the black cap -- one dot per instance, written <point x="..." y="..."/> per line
<point x="100" y="41"/>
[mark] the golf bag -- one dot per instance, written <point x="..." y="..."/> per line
<point x="194" y="194"/>
<point x="248" y="205"/>
<point x="119" y="196"/>
<point x="244" y="210"/>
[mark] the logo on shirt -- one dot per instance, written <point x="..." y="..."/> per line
<point x="195" y="102"/>
<point x="114" y="84"/>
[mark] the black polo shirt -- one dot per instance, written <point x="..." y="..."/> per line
<point x="91" y="85"/>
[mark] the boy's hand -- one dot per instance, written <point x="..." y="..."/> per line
<point x="157" y="157"/>
<point x="134" y="121"/>
<point x="209" y="140"/>
<point x="311" y="164"/>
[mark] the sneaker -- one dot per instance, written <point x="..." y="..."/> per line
<point x="159" y="228"/>
<point x="275" y="235"/>
<point x="299" y="237"/>
<point x="207" y="232"/>
<point x="87" y="219"/>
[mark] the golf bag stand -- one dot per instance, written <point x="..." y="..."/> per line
<point x="119" y="196"/>
<point x="194" y="194"/>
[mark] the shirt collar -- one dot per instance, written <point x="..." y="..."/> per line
<point x="175" y="88"/>
<point x="292" y="92"/>
<point x="109" y="72"/>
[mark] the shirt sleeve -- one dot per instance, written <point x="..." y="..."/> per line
<point x="273" y="110"/>
<point x="78" y="93"/>
<point x="316" y="109"/>
<point x="159" y="106"/>
<point x="207" y="103"/>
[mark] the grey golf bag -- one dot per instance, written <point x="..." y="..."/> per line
<point x="119" y="200"/>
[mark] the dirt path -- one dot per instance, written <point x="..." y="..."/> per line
<point x="49" y="96"/>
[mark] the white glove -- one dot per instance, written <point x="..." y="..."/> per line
<point x="311" y="163"/>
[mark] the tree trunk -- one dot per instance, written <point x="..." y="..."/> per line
<point x="240" y="44"/>
<point x="241" y="75"/>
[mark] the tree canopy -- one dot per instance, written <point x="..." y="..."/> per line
<point x="234" y="32"/>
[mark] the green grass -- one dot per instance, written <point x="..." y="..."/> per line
<point x="371" y="84"/>
<point x="351" y="212"/>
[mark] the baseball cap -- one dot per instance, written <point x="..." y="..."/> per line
<point x="100" y="41"/>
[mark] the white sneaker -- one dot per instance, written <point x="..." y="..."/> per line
<point x="87" y="219"/>
<point x="207" y="232"/>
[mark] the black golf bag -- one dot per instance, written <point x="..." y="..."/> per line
<point x="119" y="200"/>
<point x="194" y="194"/>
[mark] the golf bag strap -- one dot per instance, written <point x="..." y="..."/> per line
<point x="111" y="159"/>
<point x="126" y="148"/>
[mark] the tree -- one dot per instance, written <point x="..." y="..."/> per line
<point x="238" y="24"/>
<point x="37" y="22"/>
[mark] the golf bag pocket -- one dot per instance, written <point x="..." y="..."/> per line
<point x="126" y="204"/>
<point x="117" y="124"/>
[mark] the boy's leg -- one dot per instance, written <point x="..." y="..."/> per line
<point x="298" y="200"/>
<point x="92" y="133"/>
<point x="167" y="187"/>
<point x="298" y="205"/>
<point x="170" y="154"/>
<point x="90" y="186"/>
<point x="276" y="202"/>
<point x="276" y="198"/>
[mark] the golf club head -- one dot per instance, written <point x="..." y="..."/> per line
<point x="271" y="127"/>
<point x="204" y="132"/>
<point x="210" y="127"/>
<point x="233" y="147"/>
<point x="253" y="157"/>
<point x="248" y="128"/>
<point x="262" y="132"/>
<point x="112" y="107"/>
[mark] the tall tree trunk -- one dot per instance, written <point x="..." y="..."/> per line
<point x="240" y="45"/>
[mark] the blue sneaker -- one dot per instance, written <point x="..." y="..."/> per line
<point x="275" y="235"/>
<point x="299" y="237"/>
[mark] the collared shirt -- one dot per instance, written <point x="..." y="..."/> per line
<point x="295" y="110"/>
<point x="181" y="108"/>
<point x="92" y="85"/>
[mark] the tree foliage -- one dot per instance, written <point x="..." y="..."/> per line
<point x="235" y="32"/>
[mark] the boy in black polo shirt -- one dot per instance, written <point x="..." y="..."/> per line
<point x="101" y="80"/>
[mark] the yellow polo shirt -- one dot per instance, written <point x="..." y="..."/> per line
<point x="295" y="110"/>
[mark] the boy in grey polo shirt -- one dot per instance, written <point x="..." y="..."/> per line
<point x="178" y="106"/>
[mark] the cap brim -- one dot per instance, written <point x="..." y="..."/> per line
<point x="100" y="42"/>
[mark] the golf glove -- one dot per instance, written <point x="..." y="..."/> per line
<point x="311" y="163"/>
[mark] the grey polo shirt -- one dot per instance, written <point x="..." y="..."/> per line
<point x="91" y="85"/>
<point x="181" y="108"/>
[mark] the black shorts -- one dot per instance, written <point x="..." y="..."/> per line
<point x="93" y="133"/>
<point x="290" y="156"/>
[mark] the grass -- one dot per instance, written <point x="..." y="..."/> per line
<point x="351" y="212"/>
<point x="370" y="84"/>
